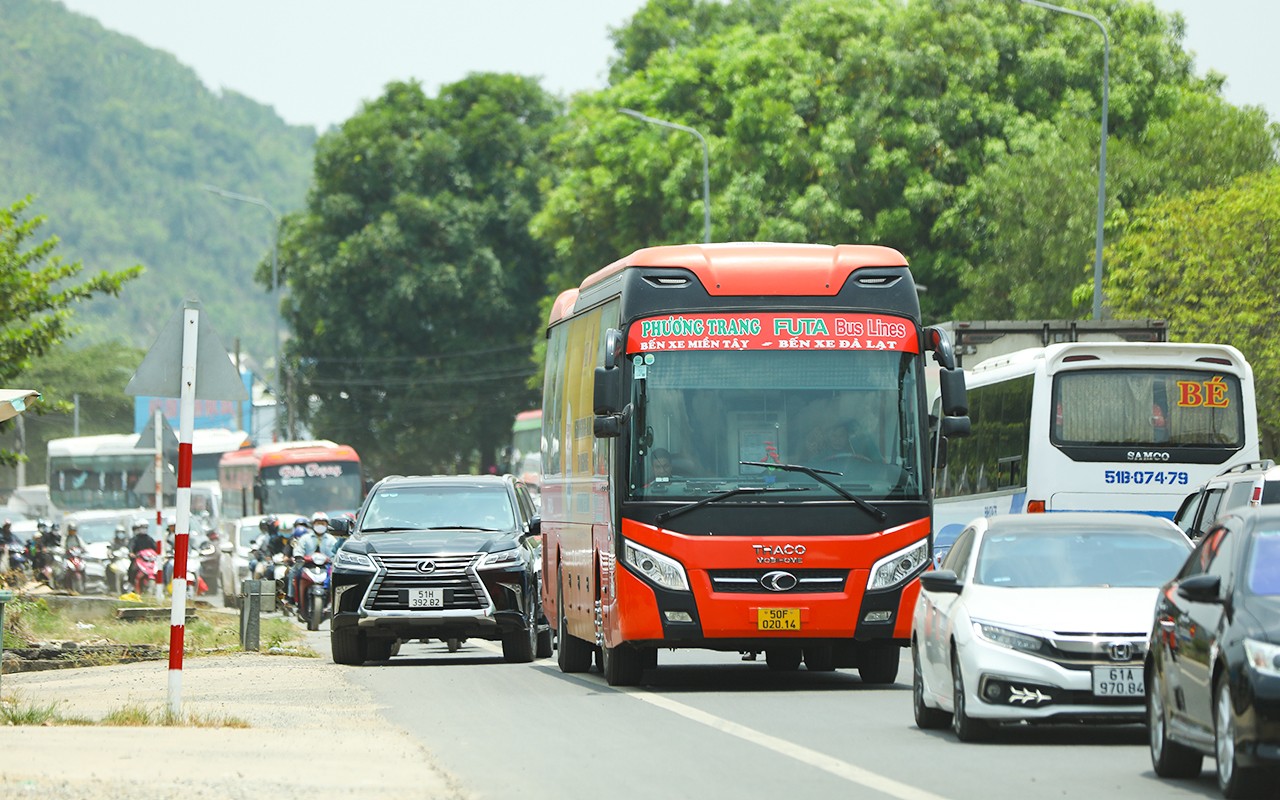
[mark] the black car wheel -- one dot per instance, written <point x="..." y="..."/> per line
<point x="573" y="655"/>
<point x="1168" y="758"/>
<point x="965" y="727"/>
<point x="926" y="718"/>
<point x="519" y="646"/>
<point x="1234" y="780"/>
<point x="381" y="649"/>
<point x="348" y="646"/>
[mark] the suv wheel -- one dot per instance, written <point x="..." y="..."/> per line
<point x="519" y="646"/>
<point x="348" y="646"/>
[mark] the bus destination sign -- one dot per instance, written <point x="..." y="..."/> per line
<point x="773" y="331"/>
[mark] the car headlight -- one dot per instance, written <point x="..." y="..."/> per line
<point x="898" y="567"/>
<point x="665" y="572"/>
<point x="501" y="558"/>
<point x="353" y="561"/>
<point x="1007" y="637"/>
<point x="1264" y="657"/>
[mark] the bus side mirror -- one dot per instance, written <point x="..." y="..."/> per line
<point x="607" y="397"/>
<point x="955" y="426"/>
<point x="955" y="397"/>
<point x="260" y="491"/>
<point x="607" y="426"/>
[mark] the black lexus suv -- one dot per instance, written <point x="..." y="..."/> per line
<point x="447" y="557"/>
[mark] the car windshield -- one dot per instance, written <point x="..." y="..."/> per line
<point x="1264" y="564"/>
<point x="1079" y="557"/>
<point x="439" y="507"/>
<point x="98" y="530"/>
<point x="248" y="534"/>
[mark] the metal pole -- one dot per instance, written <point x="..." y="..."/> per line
<point x="1102" y="150"/>
<point x="281" y="396"/>
<point x="706" y="164"/>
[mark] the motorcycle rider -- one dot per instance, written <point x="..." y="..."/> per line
<point x="316" y="538"/>
<point x="141" y="541"/>
<point x="278" y="540"/>
<point x="73" y="537"/>
<point x="301" y="527"/>
<point x="268" y="527"/>
<point x="6" y="543"/>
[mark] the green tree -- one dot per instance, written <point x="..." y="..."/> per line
<point x="876" y="121"/>
<point x="38" y="291"/>
<point x="413" y="279"/>
<point x="1209" y="262"/>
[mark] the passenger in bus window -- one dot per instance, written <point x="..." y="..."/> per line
<point x="660" y="465"/>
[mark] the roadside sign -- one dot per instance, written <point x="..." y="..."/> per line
<point x="147" y="439"/>
<point x="160" y="373"/>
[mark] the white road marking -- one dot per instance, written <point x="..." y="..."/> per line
<point x="826" y="763"/>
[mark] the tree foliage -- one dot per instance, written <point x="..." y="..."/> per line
<point x="412" y="275"/>
<point x="920" y="125"/>
<point x="38" y="291"/>
<point x="1209" y="262"/>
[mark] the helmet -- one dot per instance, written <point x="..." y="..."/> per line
<point x="71" y="526"/>
<point x="319" y="518"/>
<point x="169" y="521"/>
<point x="140" y="523"/>
<point x="42" y="525"/>
<point x="269" y="524"/>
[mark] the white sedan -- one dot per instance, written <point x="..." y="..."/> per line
<point x="1040" y="618"/>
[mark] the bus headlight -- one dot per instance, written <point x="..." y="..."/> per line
<point x="898" y="567"/>
<point x="665" y="572"/>
<point x="353" y="561"/>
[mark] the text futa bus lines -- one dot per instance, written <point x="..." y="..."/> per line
<point x="1096" y="426"/>
<point x="736" y="457"/>
<point x="102" y="472"/>
<point x="291" y="477"/>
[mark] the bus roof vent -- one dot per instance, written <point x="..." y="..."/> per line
<point x="666" y="281"/>
<point x="1079" y="358"/>
<point x="1214" y="360"/>
<point x="879" y="281"/>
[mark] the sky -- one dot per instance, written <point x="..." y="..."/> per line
<point x="316" y="61"/>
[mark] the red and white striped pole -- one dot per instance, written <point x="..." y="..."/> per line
<point x="186" y="422"/>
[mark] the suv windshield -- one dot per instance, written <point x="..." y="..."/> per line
<point x="439" y="507"/>
<point x="697" y="416"/>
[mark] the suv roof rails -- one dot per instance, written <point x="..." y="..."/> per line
<point x="1265" y="463"/>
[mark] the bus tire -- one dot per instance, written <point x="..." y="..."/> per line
<point x="878" y="662"/>
<point x="820" y="658"/>
<point x="622" y="665"/>
<point x="573" y="655"/>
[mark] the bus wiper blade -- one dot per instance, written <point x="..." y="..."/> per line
<point x="817" y="475"/>
<point x="666" y="515"/>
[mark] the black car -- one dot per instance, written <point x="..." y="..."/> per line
<point x="440" y="557"/>
<point x="1213" y="670"/>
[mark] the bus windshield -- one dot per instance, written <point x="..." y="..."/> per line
<point x="314" y="486"/>
<point x="698" y="415"/>
<point x="1158" y="407"/>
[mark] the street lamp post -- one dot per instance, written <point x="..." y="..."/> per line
<point x="706" y="164"/>
<point x="1102" y="151"/>
<point x="275" y="281"/>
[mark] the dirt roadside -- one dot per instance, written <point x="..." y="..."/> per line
<point x="312" y="734"/>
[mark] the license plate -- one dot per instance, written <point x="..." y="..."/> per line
<point x="1118" y="682"/>
<point x="778" y="619"/>
<point x="426" y="598"/>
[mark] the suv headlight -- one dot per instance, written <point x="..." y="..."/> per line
<point x="501" y="558"/>
<point x="1007" y="637"/>
<point x="1263" y="657"/>
<point x="898" y="567"/>
<point x="353" y="561"/>
<point x="665" y="572"/>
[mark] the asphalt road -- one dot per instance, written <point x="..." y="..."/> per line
<point x="711" y="725"/>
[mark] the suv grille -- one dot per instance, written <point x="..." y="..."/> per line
<point x="753" y="581"/>
<point x="453" y="574"/>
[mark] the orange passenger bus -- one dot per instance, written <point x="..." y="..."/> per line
<point x="291" y="477"/>
<point x="736" y="456"/>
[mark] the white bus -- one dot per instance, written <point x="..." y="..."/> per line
<point x="102" y="472"/>
<point x="1096" y="426"/>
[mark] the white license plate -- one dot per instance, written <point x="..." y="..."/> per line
<point x="1118" y="682"/>
<point x="426" y="598"/>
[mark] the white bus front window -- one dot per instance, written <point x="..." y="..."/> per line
<point x="1169" y="408"/>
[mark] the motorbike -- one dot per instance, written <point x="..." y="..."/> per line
<point x="73" y="570"/>
<point x="312" y="590"/>
<point x="118" y="570"/>
<point x="148" y="571"/>
<point x="195" y="584"/>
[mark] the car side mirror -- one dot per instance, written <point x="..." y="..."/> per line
<point x="1201" y="589"/>
<point x="340" y="526"/>
<point x="943" y="581"/>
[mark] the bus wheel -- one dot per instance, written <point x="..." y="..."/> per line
<point x="573" y="655"/>
<point x="783" y="659"/>
<point x="621" y="665"/>
<point x="820" y="658"/>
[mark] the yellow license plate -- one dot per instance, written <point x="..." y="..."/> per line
<point x="778" y="619"/>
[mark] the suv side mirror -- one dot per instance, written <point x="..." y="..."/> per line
<point x="340" y="525"/>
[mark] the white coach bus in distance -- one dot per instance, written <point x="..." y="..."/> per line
<point x="1096" y="426"/>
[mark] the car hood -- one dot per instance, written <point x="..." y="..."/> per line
<point x="1093" y="609"/>
<point x="435" y="543"/>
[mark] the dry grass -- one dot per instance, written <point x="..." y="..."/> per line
<point x="15" y="711"/>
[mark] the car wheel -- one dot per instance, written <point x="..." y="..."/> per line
<point x="519" y="646"/>
<point x="573" y="654"/>
<point x="381" y="649"/>
<point x="820" y="658"/>
<point x="926" y="718"/>
<point x="966" y="728"/>
<point x="622" y="665"/>
<point x="348" y="647"/>
<point x="878" y="662"/>
<point x="783" y="659"/>
<point x="1168" y="758"/>
<point x="1234" y="780"/>
<point x="453" y="645"/>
